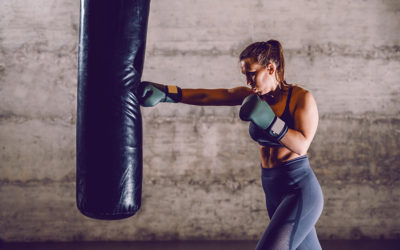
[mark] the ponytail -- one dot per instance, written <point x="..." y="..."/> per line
<point x="277" y="57"/>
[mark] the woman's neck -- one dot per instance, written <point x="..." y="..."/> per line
<point x="275" y="95"/>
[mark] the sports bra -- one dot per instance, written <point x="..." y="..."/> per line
<point x="262" y="137"/>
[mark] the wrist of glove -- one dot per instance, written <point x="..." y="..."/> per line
<point x="172" y="93"/>
<point x="277" y="129"/>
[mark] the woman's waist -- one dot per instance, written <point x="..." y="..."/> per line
<point x="272" y="157"/>
<point x="294" y="168"/>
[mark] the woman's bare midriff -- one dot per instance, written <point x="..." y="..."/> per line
<point x="273" y="156"/>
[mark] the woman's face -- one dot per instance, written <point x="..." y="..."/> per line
<point x="261" y="79"/>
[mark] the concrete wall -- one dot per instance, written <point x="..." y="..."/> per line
<point x="201" y="172"/>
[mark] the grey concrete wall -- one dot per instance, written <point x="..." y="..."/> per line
<point x="201" y="172"/>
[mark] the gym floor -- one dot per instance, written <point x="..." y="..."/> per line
<point x="196" y="245"/>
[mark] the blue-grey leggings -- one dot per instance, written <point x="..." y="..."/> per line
<point x="294" y="203"/>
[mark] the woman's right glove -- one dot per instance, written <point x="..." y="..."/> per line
<point x="150" y="93"/>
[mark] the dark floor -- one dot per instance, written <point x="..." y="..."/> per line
<point x="197" y="245"/>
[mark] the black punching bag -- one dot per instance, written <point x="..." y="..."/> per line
<point x="109" y="125"/>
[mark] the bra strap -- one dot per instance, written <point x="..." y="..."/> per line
<point x="288" y="100"/>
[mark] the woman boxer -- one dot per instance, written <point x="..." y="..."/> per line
<point x="283" y="120"/>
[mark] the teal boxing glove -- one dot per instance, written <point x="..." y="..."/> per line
<point x="260" y="113"/>
<point x="150" y="93"/>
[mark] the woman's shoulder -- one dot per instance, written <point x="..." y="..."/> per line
<point x="301" y="95"/>
<point x="300" y="92"/>
<point x="297" y="89"/>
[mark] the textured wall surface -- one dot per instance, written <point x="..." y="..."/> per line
<point x="201" y="169"/>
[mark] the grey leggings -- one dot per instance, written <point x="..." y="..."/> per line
<point x="294" y="203"/>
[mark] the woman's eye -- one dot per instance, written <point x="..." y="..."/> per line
<point x="251" y="74"/>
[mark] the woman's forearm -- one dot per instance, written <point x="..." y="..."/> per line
<point x="213" y="97"/>
<point x="296" y="142"/>
<point x="195" y="96"/>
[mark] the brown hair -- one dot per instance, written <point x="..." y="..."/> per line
<point x="265" y="53"/>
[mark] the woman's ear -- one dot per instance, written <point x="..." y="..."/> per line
<point x="271" y="68"/>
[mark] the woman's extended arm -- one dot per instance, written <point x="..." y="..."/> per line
<point x="150" y="94"/>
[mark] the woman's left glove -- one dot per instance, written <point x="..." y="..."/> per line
<point x="258" y="111"/>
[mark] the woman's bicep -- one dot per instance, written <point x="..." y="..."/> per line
<point x="306" y="116"/>
<point x="238" y="94"/>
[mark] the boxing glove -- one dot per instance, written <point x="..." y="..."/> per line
<point x="150" y="93"/>
<point x="260" y="113"/>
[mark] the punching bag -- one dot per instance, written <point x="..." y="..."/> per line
<point x="112" y="40"/>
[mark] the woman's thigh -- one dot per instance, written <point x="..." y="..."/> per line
<point x="292" y="223"/>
